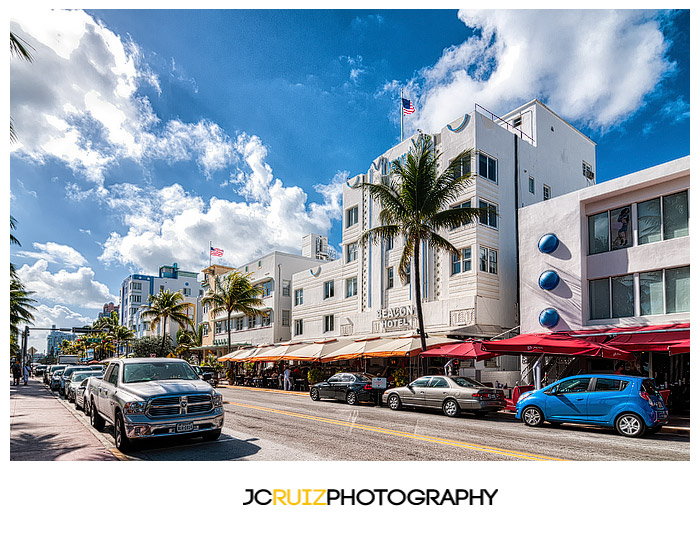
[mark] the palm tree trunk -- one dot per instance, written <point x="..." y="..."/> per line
<point x="228" y="330"/>
<point x="419" y="303"/>
<point x="162" y="344"/>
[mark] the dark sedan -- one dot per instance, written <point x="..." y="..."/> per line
<point x="352" y="387"/>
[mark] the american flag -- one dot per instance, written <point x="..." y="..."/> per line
<point x="407" y="106"/>
<point x="216" y="252"/>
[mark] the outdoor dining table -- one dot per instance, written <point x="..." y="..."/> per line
<point x="257" y="381"/>
<point x="272" y="382"/>
<point x="300" y="384"/>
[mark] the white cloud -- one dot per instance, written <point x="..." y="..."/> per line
<point x="59" y="316"/>
<point x="170" y="224"/>
<point x="592" y="67"/>
<point x="56" y="253"/>
<point x="64" y="287"/>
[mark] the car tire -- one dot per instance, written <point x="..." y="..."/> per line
<point x="450" y="407"/>
<point x="532" y="416"/>
<point x="314" y="394"/>
<point x="394" y="402"/>
<point x="351" y="398"/>
<point x="213" y="435"/>
<point x="86" y="408"/>
<point x="97" y="422"/>
<point x="121" y="441"/>
<point x="630" y="425"/>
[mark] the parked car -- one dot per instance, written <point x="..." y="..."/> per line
<point x="82" y="393"/>
<point x="630" y="404"/>
<point x="66" y="376"/>
<point x="208" y="374"/>
<point x="48" y="373"/>
<point x="76" y="379"/>
<point x="352" y="387"/>
<point x="38" y="370"/>
<point x="452" y="394"/>
<point x="55" y="382"/>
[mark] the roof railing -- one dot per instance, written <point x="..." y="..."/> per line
<point x="500" y="121"/>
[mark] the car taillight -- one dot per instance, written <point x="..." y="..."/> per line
<point x="367" y="387"/>
<point x="646" y="397"/>
<point x="480" y="395"/>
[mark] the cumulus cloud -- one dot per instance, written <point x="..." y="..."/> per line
<point x="59" y="316"/>
<point x="55" y="253"/>
<point x="100" y="115"/>
<point x="172" y="225"/>
<point x="77" y="288"/>
<point x="593" y="67"/>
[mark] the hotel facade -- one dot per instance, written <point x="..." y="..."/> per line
<point x="526" y="156"/>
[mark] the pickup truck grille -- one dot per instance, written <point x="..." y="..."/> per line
<point x="179" y="405"/>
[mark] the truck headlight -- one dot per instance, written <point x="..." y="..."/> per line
<point x="133" y="408"/>
<point x="217" y="399"/>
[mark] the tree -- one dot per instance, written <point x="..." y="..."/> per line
<point x="234" y="293"/>
<point x="415" y="204"/>
<point x="20" y="49"/>
<point x="189" y="338"/>
<point x="163" y="307"/>
<point x="145" y="346"/>
<point x="21" y="302"/>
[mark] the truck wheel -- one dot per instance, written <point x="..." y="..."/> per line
<point x="212" y="436"/>
<point x="97" y="422"/>
<point x="121" y="441"/>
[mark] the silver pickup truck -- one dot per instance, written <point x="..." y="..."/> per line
<point x="153" y="397"/>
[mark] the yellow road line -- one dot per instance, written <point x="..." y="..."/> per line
<point x="409" y="435"/>
<point x="297" y="393"/>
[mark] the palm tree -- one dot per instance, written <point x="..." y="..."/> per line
<point x="19" y="48"/>
<point x="415" y="204"/>
<point x="189" y="338"/>
<point x="123" y="334"/>
<point x="234" y="293"/>
<point x="165" y="306"/>
<point x="21" y="307"/>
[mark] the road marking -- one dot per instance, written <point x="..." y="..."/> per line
<point x="408" y="435"/>
<point x="297" y="393"/>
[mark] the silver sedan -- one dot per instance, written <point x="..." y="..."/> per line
<point x="452" y="394"/>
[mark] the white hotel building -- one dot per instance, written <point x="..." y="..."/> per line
<point x="528" y="155"/>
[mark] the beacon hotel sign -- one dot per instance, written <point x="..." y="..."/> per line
<point x="395" y="319"/>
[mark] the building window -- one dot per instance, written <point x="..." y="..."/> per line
<point x="135" y="285"/>
<point x="299" y="327"/>
<point x="531" y="185"/>
<point x="328" y="323"/>
<point x="351" y="287"/>
<point x="677" y="286"/>
<point x="389" y="243"/>
<point x="351" y="252"/>
<point x="620" y="228"/>
<point x="675" y="215"/>
<point x="390" y="277"/>
<point x="285" y="317"/>
<point x="649" y="221"/>
<point x="651" y="293"/>
<point x="599" y="298"/>
<point x="266" y="319"/>
<point x="219" y="327"/>
<point x="251" y="322"/>
<point x="351" y="216"/>
<point x="463" y="166"/>
<point x="239" y="323"/>
<point x="456" y="264"/>
<point x="328" y="289"/>
<point x="488" y="260"/>
<point x="286" y="287"/>
<point x="205" y="329"/>
<point x="299" y="296"/>
<point x="135" y="298"/>
<point x="587" y="170"/>
<point x="467" y="259"/>
<point x="487" y="167"/>
<point x="466" y="204"/>
<point x="267" y="287"/>
<point x="186" y="291"/>
<point x="489" y="214"/>
<point x="546" y="192"/>
<point x="611" y="297"/>
<point x="598" y="233"/>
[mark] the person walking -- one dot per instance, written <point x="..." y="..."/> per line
<point x="27" y="371"/>
<point x="287" y="379"/>
<point x="16" y="372"/>
<point x="449" y="365"/>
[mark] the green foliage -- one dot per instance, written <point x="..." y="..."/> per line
<point x="145" y="346"/>
<point x="314" y="375"/>
<point x="400" y="377"/>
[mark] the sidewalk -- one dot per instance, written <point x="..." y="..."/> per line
<point x="43" y="429"/>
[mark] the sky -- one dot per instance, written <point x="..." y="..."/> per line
<point x="144" y="135"/>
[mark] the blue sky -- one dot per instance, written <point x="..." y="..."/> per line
<point x="143" y="135"/>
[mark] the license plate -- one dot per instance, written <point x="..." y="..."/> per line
<point x="662" y="414"/>
<point x="184" y="427"/>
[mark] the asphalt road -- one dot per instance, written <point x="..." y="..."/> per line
<point x="276" y="425"/>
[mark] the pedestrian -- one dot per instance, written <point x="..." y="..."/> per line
<point x="448" y="366"/>
<point x="287" y="379"/>
<point x="620" y="368"/>
<point x="16" y="372"/>
<point x="27" y="370"/>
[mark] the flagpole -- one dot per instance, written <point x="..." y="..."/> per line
<point x="209" y="253"/>
<point x="401" y="112"/>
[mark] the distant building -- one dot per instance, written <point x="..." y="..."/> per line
<point x="108" y="309"/>
<point x="137" y="288"/>
<point x="54" y="338"/>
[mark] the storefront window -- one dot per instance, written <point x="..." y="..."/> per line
<point x="676" y="215"/>
<point x="622" y="296"/>
<point x="678" y="290"/>
<point x="651" y="293"/>
<point x="598" y="233"/>
<point x="599" y="294"/>
<point x="621" y="230"/>
<point x="649" y="221"/>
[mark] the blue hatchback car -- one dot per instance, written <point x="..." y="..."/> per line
<point x="630" y="404"/>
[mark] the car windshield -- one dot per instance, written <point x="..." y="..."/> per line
<point x="147" y="372"/>
<point x="362" y="378"/>
<point x="80" y="376"/>
<point x="466" y="382"/>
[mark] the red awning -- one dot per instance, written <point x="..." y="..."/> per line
<point x="680" y="347"/>
<point x="461" y="350"/>
<point x="647" y="342"/>
<point x="554" y="344"/>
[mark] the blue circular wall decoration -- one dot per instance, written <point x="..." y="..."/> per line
<point x="549" y="318"/>
<point x="549" y="280"/>
<point x="548" y="243"/>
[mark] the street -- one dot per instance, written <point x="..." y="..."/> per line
<point x="270" y="425"/>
